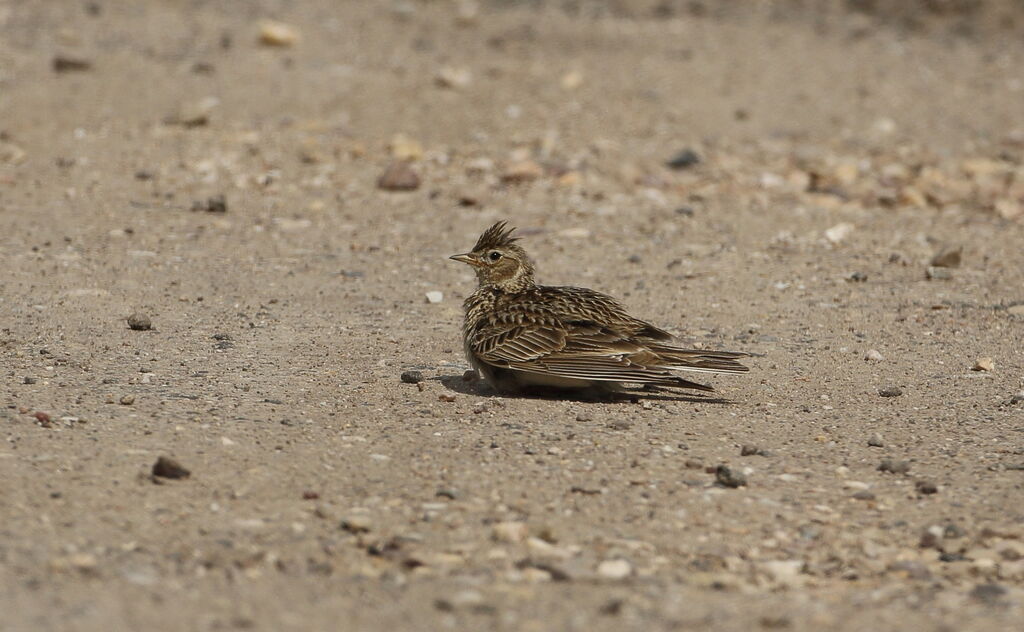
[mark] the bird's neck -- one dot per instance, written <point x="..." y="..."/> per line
<point x="515" y="285"/>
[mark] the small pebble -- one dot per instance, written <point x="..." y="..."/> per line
<point x="140" y="322"/>
<point x="727" y="477"/>
<point x="434" y="297"/>
<point x="412" y="377"/>
<point x="927" y="487"/>
<point x="453" y="78"/>
<point x="28" y="380"/>
<point x="864" y="495"/>
<point x="984" y="364"/>
<point x="357" y="523"/>
<point x="278" y="34"/>
<point x="953" y="531"/>
<point x="584" y="416"/>
<point x="893" y="466"/>
<point x="522" y="171"/>
<point x="63" y="63"/>
<point x="194" y="113"/>
<point x="749" y="449"/>
<point x="934" y="273"/>
<point x="127" y="400"/>
<point x="948" y="258"/>
<point x="875" y="441"/>
<point x="399" y="176"/>
<point x="683" y="160"/>
<point x="839" y="232"/>
<point x="166" y="467"/>
<point x="874" y="355"/>
<point x="615" y="569"/>
<point x="509" y="532"/>
<point x="890" y="391"/>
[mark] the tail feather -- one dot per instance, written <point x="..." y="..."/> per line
<point x="699" y="360"/>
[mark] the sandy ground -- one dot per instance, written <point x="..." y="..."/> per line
<point x="838" y="154"/>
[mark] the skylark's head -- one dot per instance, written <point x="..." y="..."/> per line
<point x="499" y="261"/>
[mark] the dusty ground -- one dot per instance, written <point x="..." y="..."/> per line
<point x="838" y="154"/>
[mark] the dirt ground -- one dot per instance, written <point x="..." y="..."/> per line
<point x="159" y="159"/>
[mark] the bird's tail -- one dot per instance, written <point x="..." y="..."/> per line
<point x="699" y="360"/>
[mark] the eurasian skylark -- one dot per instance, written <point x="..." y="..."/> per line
<point x="519" y="334"/>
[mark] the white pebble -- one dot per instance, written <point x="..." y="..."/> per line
<point x="614" y="569"/>
<point x="435" y="297"/>
<point x="839" y="232"/>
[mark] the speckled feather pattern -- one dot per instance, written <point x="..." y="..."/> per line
<point x="518" y="333"/>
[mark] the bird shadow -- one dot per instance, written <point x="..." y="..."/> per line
<point x="480" y="388"/>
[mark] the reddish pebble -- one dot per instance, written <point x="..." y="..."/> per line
<point x="42" y="417"/>
<point x="310" y="495"/>
<point x="446" y="398"/>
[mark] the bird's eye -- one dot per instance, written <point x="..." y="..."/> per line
<point x="494" y="255"/>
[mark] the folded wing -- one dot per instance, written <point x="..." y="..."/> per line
<point x="586" y="350"/>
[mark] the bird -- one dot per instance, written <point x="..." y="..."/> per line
<point x="521" y="336"/>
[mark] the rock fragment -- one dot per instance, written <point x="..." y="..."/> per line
<point x="890" y="391"/>
<point x="273" y="33"/>
<point x="728" y="477"/>
<point x="453" y="78"/>
<point x="839" y="232"/>
<point x="166" y="467"/>
<point x="684" y="159"/>
<point x="64" y="63"/>
<point x="399" y="176"/>
<point x="213" y="204"/>
<point x="984" y="364"/>
<point x="935" y="273"/>
<point x="615" y="569"/>
<point x="948" y="258"/>
<point x="894" y="466"/>
<point x="412" y="377"/>
<point x="509" y="532"/>
<point x="140" y="322"/>
<point x="357" y="523"/>
<point x="521" y="171"/>
<point x="195" y="113"/>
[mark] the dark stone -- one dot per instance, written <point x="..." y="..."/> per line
<point x="166" y="467"/>
<point x="62" y="63"/>
<point x="727" y="477"/>
<point x="890" y="391"/>
<point x="412" y="377"/>
<point x="683" y="160"/>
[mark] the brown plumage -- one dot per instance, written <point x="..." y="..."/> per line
<point x="519" y="334"/>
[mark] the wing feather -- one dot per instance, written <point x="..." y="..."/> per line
<point x="587" y="350"/>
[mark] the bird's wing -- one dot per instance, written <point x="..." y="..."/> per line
<point x="582" y="350"/>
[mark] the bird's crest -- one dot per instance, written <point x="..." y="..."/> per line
<point x="495" y="237"/>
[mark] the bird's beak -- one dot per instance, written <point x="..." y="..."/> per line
<point x="465" y="258"/>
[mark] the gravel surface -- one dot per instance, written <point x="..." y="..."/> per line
<point x="235" y="395"/>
